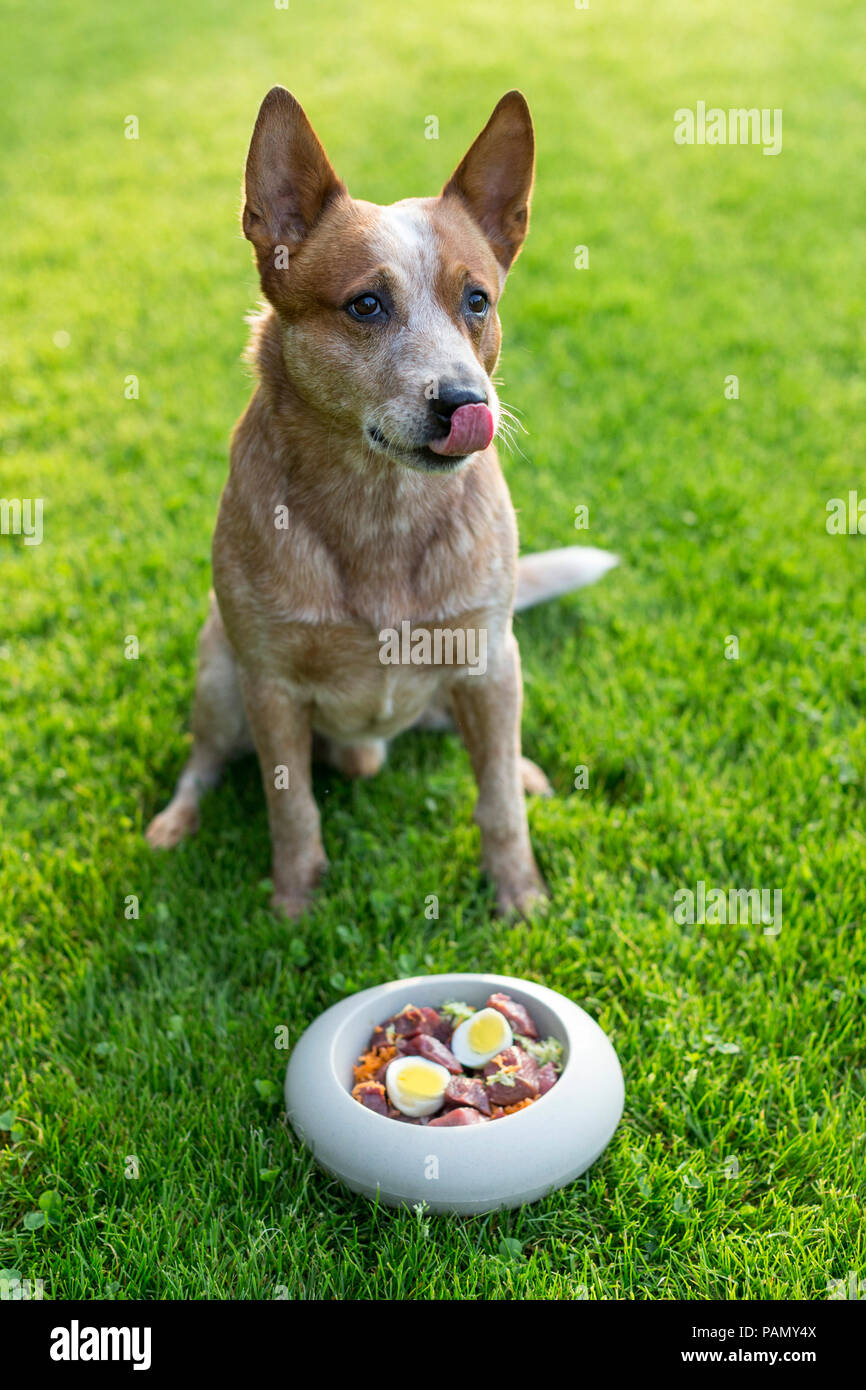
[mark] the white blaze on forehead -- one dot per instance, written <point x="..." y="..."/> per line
<point x="406" y="243"/>
<point x="407" y="239"/>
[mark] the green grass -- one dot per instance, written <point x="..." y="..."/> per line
<point x="155" y="1037"/>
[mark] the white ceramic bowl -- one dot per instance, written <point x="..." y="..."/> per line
<point x="468" y="1169"/>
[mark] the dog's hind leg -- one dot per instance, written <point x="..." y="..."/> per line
<point x="437" y="717"/>
<point x="220" y="732"/>
<point x="533" y="779"/>
<point x="362" y="759"/>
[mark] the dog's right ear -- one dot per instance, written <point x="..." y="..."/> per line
<point x="494" y="180"/>
<point x="288" y="180"/>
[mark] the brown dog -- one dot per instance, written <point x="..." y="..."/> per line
<point x="365" y="556"/>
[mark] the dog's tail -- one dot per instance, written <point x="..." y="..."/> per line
<point x="553" y="572"/>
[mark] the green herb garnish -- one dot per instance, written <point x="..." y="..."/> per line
<point x="547" y="1050"/>
<point x="457" y="1010"/>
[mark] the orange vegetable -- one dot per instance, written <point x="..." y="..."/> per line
<point x="370" y="1062"/>
<point x="500" y="1110"/>
<point x="378" y="1086"/>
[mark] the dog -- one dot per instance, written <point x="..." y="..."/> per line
<point x="365" y="494"/>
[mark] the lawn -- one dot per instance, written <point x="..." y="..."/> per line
<point x="142" y="1080"/>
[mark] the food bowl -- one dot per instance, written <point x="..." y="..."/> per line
<point x="471" y="1169"/>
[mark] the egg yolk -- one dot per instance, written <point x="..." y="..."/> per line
<point x="418" y="1081"/>
<point x="485" y="1033"/>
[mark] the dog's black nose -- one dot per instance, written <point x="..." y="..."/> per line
<point x="450" y="398"/>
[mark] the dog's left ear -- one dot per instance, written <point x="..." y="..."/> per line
<point x="494" y="179"/>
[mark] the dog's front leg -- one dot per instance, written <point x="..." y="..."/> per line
<point x="487" y="710"/>
<point x="283" y="737"/>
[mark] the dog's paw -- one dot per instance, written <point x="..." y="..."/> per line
<point x="520" y="896"/>
<point x="534" y="781"/>
<point x="291" y="905"/>
<point x="172" y="825"/>
<point x="294" y="890"/>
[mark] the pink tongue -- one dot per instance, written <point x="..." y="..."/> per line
<point x="471" y="429"/>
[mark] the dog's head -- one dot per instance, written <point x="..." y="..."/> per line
<point x="388" y="314"/>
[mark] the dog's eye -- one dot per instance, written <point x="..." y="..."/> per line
<point x="476" y="302"/>
<point x="366" y="307"/>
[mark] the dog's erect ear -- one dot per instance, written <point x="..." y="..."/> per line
<point x="494" y="179"/>
<point x="288" y="180"/>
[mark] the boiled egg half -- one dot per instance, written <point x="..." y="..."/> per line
<point x="415" y="1085"/>
<point x="479" y="1038"/>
